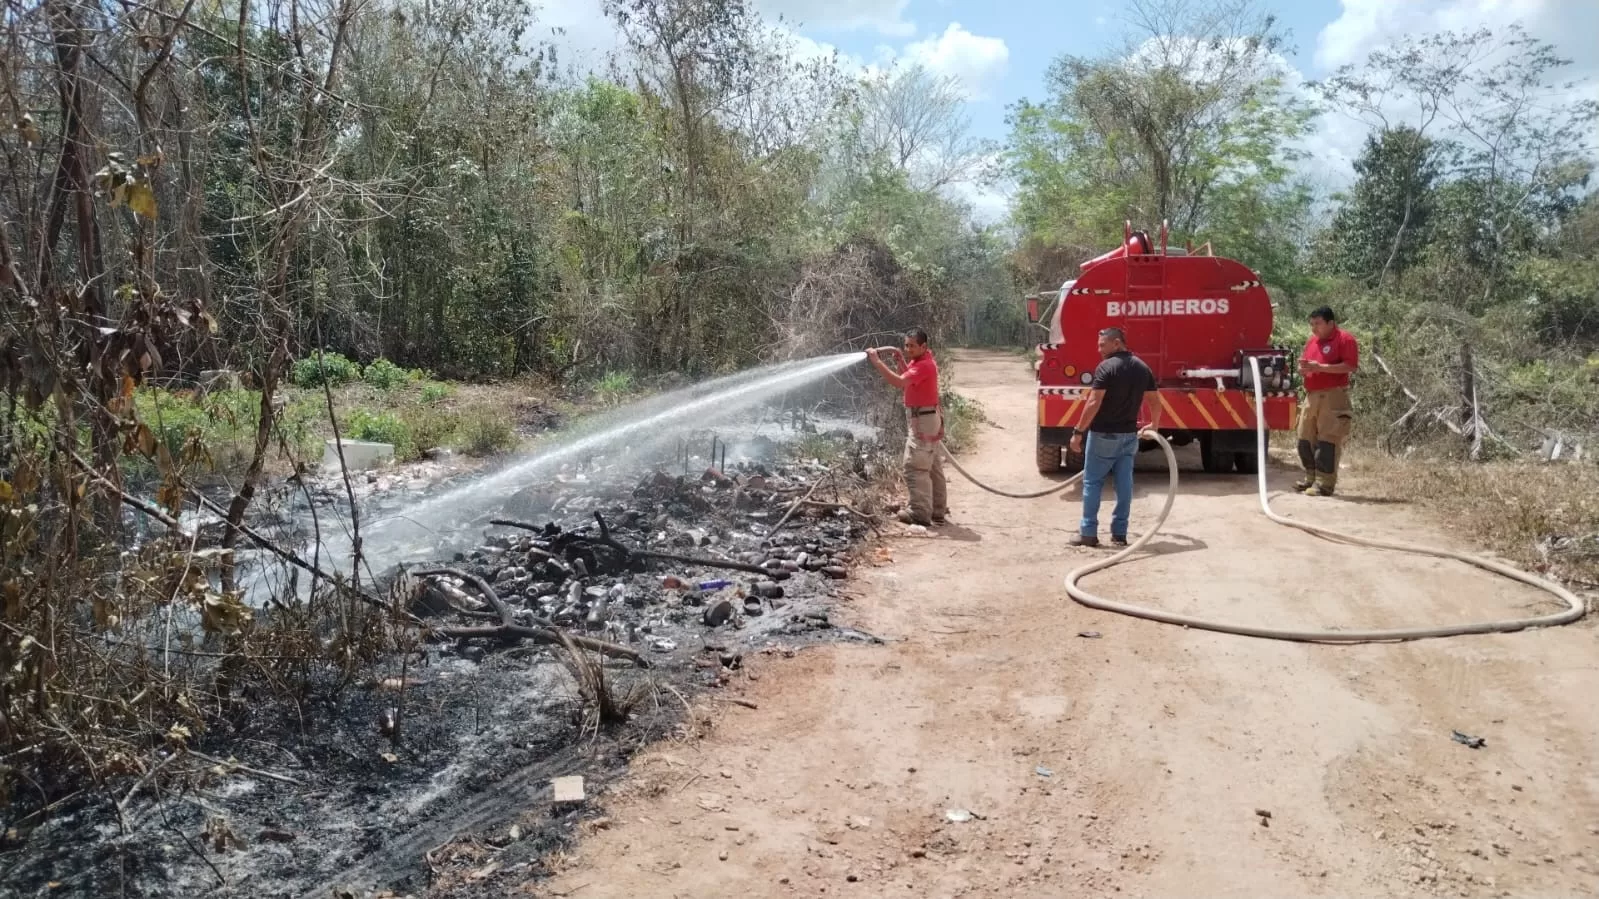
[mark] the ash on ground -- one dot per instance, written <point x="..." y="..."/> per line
<point x="433" y="776"/>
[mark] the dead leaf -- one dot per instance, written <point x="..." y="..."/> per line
<point x="169" y="495"/>
<point x="141" y="199"/>
<point x="222" y="613"/>
<point x="389" y="757"/>
<point x="105" y="616"/>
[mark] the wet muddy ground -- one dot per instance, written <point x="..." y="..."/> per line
<point x="432" y="774"/>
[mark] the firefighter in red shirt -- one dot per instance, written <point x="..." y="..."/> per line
<point x="1331" y="356"/>
<point x="924" y="425"/>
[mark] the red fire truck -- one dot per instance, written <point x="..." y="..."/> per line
<point x="1195" y="318"/>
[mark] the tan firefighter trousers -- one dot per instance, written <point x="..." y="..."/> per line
<point x="924" y="466"/>
<point x="1324" y="425"/>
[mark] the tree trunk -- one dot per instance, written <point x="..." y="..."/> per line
<point x="72" y="177"/>
<point x="1470" y="411"/>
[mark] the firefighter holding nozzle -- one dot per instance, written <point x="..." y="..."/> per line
<point x="924" y="426"/>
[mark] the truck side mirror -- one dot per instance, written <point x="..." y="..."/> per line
<point x="1032" y="309"/>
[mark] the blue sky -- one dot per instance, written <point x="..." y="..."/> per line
<point x="1000" y="49"/>
<point x="1004" y="48"/>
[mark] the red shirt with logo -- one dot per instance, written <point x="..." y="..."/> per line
<point x="1339" y="347"/>
<point x="921" y="381"/>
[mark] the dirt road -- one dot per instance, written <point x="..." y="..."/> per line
<point x="1140" y="762"/>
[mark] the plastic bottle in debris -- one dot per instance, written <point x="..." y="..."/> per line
<point x="715" y="585"/>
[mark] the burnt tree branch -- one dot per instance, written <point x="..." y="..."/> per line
<point x="488" y="593"/>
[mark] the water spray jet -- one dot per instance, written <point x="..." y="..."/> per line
<point x="427" y="527"/>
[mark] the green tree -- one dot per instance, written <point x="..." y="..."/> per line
<point x="1386" y="221"/>
<point x="1515" y="152"/>
<point x="1192" y="123"/>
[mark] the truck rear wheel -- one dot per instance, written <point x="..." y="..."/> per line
<point x="1048" y="456"/>
<point x="1212" y="460"/>
<point x="1248" y="463"/>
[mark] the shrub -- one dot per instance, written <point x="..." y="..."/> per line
<point x="381" y="427"/>
<point x="171" y="418"/>
<point x="483" y="433"/>
<point x="325" y="368"/>
<point x="431" y="427"/>
<point x="385" y="375"/>
<point x="434" y="392"/>
<point x="614" y="387"/>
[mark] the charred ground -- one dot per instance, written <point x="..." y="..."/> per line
<point x="427" y="770"/>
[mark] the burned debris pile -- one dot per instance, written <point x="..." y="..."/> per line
<point x="746" y="552"/>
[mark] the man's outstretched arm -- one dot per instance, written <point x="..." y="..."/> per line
<point x="888" y="374"/>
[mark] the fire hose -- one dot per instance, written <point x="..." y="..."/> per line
<point x="1575" y="609"/>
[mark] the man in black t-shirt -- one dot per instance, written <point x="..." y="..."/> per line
<point x="1110" y="419"/>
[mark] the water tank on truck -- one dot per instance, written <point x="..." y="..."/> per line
<point x="1195" y="318"/>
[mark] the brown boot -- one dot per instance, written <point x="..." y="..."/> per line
<point x="1322" y="487"/>
<point x="1306" y="482"/>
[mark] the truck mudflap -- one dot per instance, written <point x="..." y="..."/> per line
<point x="1181" y="408"/>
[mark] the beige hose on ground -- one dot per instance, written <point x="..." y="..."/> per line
<point x="998" y="492"/>
<point x="1575" y="607"/>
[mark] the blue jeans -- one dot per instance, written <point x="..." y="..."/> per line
<point x="1107" y="454"/>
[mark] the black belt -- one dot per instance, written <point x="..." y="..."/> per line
<point x="921" y="411"/>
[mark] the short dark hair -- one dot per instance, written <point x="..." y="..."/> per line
<point x="1324" y="313"/>
<point x="1114" y="334"/>
<point x="918" y="335"/>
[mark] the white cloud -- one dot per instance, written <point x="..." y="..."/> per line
<point x="1365" y="25"/>
<point x="884" y="16"/>
<point x="807" y="49"/>
<point x="1368" y="25"/>
<point x="974" y="60"/>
